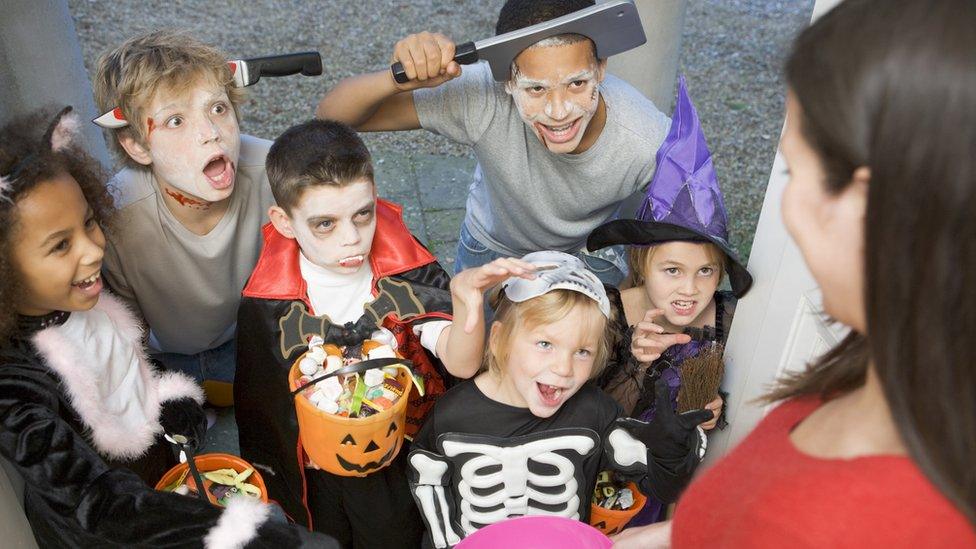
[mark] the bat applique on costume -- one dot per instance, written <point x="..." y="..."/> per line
<point x="297" y="326"/>
<point x="394" y="297"/>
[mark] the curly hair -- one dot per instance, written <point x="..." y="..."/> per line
<point x="27" y="160"/>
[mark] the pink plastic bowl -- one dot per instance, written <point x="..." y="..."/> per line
<point x="537" y="532"/>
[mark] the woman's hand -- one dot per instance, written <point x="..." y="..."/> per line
<point x="652" y="536"/>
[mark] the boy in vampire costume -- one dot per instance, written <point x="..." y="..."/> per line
<point x="338" y="263"/>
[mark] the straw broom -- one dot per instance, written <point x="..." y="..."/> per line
<point x="701" y="376"/>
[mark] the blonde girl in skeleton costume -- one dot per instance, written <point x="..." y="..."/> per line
<point x="530" y="434"/>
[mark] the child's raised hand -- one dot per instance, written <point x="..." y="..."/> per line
<point x="649" y="339"/>
<point x="715" y="407"/>
<point x="468" y="287"/>
<point x="428" y="60"/>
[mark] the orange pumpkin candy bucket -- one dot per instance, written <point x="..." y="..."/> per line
<point x="353" y="446"/>
<point x="612" y="521"/>
<point x="212" y="462"/>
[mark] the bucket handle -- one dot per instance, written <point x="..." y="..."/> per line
<point x="356" y="368"/>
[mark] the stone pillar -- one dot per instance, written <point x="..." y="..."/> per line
<point x="41" y="65"/>
<point x="653" y="67"/>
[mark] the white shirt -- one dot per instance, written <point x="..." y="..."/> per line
<point x="343" y="297"/>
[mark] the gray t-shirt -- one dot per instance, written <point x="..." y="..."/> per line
<point x="525" y="198"/>
<point x="187" y="287"/>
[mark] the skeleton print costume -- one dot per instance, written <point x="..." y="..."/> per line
<point x="477" y="461"/>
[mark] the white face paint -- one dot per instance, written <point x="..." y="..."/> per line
<point x="556" y="91"/>
<point x="334" y="226"/>
<point x="193" y="140"/>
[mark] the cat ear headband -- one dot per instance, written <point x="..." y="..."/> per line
<point x="61" y="133"/>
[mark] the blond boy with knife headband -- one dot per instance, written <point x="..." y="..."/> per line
<point x="193" y="196"/>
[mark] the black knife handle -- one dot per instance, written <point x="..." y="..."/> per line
<point x="464" y="54"/>
<point x="309" y="63"/>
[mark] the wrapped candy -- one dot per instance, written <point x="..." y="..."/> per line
<point x="332" y="363"/>
<point x="317" y="354"/>
<point x="384" y="337"/>
<point x="383" y="351"/>
<point x="612" y="492"/>
<point x="372" y="378"/>
<point x="308" y="366"/>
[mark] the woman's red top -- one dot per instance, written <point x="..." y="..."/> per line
<point x="766" y="493"/>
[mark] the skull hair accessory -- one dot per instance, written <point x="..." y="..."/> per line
<point x="557" y="271"/>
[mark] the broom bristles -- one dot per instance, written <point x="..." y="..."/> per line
<point x="701" y="376"/>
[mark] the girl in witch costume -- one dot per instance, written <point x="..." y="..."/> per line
<point x="679" y="249"/>
<point x="82" y="413"/>
<point x="529" y="434"/>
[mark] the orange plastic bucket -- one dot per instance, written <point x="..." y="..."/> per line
<point x="212" y="462"/>
<point x="351" y="447"/>
<point x="611" y="521"/>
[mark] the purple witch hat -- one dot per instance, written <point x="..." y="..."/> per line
<point x="683" y="200"/>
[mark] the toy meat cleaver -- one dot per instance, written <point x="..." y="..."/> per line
<point x="613" y="25"/>
<point x="245" y="73"/>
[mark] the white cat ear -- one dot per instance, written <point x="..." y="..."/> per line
<point x="65" y="130"/>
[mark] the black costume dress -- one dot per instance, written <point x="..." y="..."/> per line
<point x="632" y="385"/>
<point x="81" y="420"/>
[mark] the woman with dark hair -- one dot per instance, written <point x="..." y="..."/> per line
<point x="875" y="444"/>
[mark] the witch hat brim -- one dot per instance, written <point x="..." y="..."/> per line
<point x="644" y="233"/>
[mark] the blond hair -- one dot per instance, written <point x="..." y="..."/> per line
<point x="544" y="309"/>
<point x="638" y="258"/>
<point x="129" y="76"/>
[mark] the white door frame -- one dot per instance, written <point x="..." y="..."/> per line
<point x="777" y="326"/>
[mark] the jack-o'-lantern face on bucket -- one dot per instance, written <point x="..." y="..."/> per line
<point x="367" y="454"/>
<point x="355" y="446"/>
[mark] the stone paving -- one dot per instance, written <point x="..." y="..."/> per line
<point x="432" y="190"/>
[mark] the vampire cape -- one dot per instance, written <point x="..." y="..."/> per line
<point x="273" y="331"/>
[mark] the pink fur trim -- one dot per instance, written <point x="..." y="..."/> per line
<point x="176" y="385"/>
<point x="66" y="132"/>
<point x="107" y="433"/>
<point x="125" y="322"/>
<point x="238" y="524"/>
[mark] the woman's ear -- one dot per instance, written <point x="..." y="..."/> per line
<point x="136" y="150"/>
<point x="856" y="193"/>
<point x="282" y="223"/>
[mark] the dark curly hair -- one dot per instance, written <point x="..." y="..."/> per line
<point x="26" y="160"/>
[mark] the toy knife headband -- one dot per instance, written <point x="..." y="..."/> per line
<point x="245" y="73"/>
<point x="614" y="26"/>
